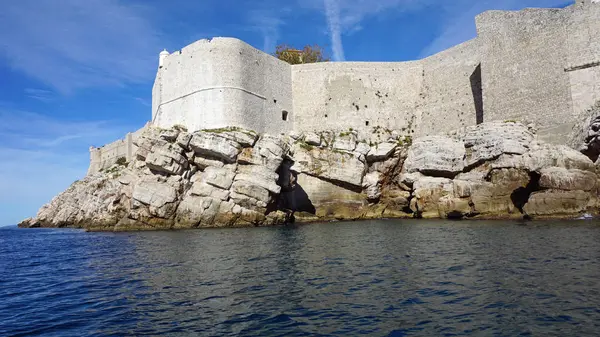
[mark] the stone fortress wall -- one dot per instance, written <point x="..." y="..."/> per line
<point x="538" y="66"/>
<point x="223" y="82"/>
<point x="104" y="157"/>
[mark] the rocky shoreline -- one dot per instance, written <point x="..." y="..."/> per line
<point x="236" y="178"/>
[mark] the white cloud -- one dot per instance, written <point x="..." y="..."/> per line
<point x="345" y="17"/>
<point x="332" y="13"/>
<point x="268" y="23"/>
<point x="41" y="95"/>
<point x="72" y="44"/>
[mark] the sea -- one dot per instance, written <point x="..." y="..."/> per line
<point x="363" y="278"/>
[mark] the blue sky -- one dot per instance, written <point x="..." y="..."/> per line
<point x="75" y="73"/>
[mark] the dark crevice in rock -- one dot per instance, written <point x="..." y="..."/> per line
<point x="520" y="196"/>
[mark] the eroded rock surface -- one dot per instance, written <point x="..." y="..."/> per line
<point x="232" y="177"/>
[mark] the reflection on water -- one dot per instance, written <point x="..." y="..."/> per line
<point x="396" y="278"/>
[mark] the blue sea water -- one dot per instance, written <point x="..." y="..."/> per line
<point x="376" y="278"/>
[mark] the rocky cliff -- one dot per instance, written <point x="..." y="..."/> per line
<point x="233" y="177"/>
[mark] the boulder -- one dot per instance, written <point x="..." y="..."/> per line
<point x="435" y="156"/>
<point x="336" y="166"/>
<point x="372" y="186"/>
<point x="557" y="202"/>
<point x="244" y="138"/>
<point x="542" y="155"/>
<point x="212" y="146"/>
<point x="203" y="189"/>
<point x="218" y="177"/>
<point x="258" y="170"/>
<point x="166" y="158"/>
<point x="312" y="138"/>
<point x="270" y="146"/>
<point x="488" y="141"/>
<point x="202" y="163"/>
<point x="560" y="178"/>
<point x="362" y="148"/>
<point x="427" y="193"/>
<point x="258" y="180"/>
<point x="251" y="190"/>
<point x="160" y="197"/>
<point x="345" y="142"/>
<point x="194" y="211"/>
<point x="170" y="135"/>
<point x="183" y="140"/>
<point x="380" y="151"/>
<point x="248" y="202"/>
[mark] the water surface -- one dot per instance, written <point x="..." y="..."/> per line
<point x="378" y="278"/>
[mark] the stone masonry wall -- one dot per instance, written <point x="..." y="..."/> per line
<point x="583" y="57"/>
<point x="451" y="92"/>
<point x="104" y="157"/>
<point x="522" y="67"/>
<point x="533" y="65"/>
<point x="359" y="95"/>
<point x="223" y="82"/>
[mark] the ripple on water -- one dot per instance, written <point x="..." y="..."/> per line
<point x="379" y="278"/>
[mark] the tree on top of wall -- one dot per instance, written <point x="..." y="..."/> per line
<point x="308" y="54"/>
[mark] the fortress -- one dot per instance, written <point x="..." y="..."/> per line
<point x="538" y="66"/>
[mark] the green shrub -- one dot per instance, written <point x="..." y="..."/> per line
<point x="122" y="161"/>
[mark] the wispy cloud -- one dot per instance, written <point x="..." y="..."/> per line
<point x="41" y="156"/>
<point x="42" y="95"/>
<point x="346" y="16"/>
<point x="332" y="13"/>
<point x="142" y="101"/>
<point x="72" y="44"/>
<point x="268" y="23"/>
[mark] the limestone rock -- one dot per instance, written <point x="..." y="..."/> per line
<point x="194" y="210"/>
<point x="251" y="190"/>
<point x="542" y="155"/>
<point x="270" y="146"/>
<point x="345" y="142"/>
<point x="427" y="193"/>
<point x="557" y="202"/>
<point x="218" y="177"/>
<point x="183" y="140"/>
<point x="248" y="202"/>
<point x="202" y="163"/>
<point x="170" y="135"/>
<point x="213" y="146"/>
<point x="160" y="197"/>
<point x="362" y="148"/>
<point x="266" y="183"/>
<point x="331" y="165"/>
<point x="258" y="170"/>
<point x="489" y="140"/>
<point x="166" y="158"/>
<point x="562" y="179"/>
<point x="436" y="156"/>
<point x="312" y="138"/>
<point x="380" y="151"/>
<point x="202" y="189"/>
<point x="372" y="186"/>
<point x="244" y="138"/>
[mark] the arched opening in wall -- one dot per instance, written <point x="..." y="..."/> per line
<point x="284" y="115"/>
<point x="477" y="93"/>
<point x="366" y="123"/>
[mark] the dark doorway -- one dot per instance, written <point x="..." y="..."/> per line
<point x="477" y="93"/>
